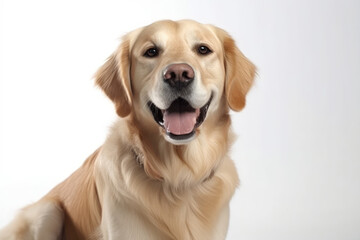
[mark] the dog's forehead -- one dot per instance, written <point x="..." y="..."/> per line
<point x="163" y="32"/>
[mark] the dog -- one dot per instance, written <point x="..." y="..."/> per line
<point x="164" y="170"/>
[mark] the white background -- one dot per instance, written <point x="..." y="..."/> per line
<point x="298" y="148"/>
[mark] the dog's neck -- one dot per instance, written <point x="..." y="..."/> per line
<point x="181" y="165"/>
<point x="139" y="159"/>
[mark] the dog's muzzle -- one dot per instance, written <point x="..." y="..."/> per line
<point x="180" y="120"/>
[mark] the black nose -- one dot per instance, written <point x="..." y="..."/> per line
<point x="178" y="75"/>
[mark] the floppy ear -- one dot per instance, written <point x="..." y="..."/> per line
<point x="114" y="79"/>
<point x="240" y="73"/>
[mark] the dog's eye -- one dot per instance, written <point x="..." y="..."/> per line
<point x="204" y="50"/>
<point x="151" y="52"/>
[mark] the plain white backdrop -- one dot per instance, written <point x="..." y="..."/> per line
<point x="298" y="147"/>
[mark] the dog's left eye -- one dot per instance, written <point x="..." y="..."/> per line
<point x="151" y="52"/>
<point x="203" y="50"/>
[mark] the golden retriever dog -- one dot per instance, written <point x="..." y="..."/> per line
<point x="164" y="171"/>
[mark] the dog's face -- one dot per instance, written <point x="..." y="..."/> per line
<point x="174" y="75"/>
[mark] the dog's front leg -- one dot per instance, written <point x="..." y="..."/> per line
<point x="42" y="220"/>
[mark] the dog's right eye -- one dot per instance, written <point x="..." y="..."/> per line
<point x="151" y="52"/>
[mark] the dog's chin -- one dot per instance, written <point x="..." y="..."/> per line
<point x="180" y="139"/>
<point x="180" y="120"/>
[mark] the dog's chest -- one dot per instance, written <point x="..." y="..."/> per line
<point x="188" y="221"/>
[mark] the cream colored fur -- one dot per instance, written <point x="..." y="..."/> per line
<point x="139" y="184"/>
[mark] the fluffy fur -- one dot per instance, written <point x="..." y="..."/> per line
<point x="141" y="183"/>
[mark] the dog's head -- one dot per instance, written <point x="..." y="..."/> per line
<point x="174" y="76"/>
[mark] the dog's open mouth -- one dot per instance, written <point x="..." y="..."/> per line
<point x="180" y="120"/>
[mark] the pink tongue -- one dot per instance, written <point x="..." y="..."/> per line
<point x="180" y="123"/>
